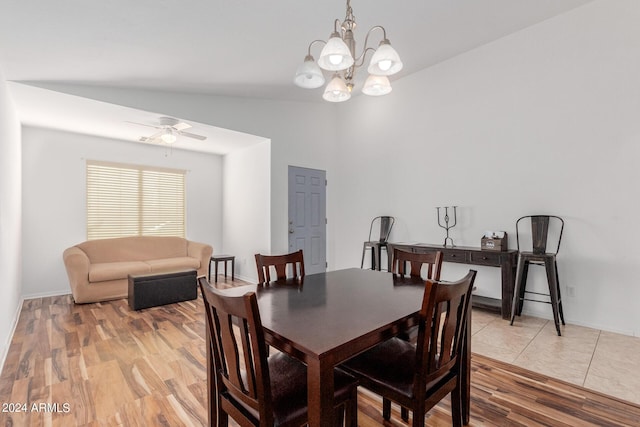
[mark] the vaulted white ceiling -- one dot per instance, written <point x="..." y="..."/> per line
<point x="235" y="47"/>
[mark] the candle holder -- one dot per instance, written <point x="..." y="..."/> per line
<point x="446" y="225"/>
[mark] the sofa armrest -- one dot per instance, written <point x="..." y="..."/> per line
<point x="203" y="252"/>
<point x="77" y="264"/>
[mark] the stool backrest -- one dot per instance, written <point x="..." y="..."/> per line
<point x="540" y="237"/>
<point x="386" y="224"/>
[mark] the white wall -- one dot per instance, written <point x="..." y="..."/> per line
<point x="10" y="217"/>
<point x="301" y="133"/>
<point x="246" y="216"/>
<point x="54" y="197"/>
<point x="542" y="121"/>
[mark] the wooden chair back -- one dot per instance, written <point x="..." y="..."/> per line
<point x="443" y="318"/>
<point x="294" y="262"/>
<point x="239" y="362"/>
<point x="416" y="261"/>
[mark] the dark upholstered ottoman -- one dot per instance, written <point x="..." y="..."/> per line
<point x="150" y="290"/>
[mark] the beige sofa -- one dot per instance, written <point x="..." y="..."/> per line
<point x="98" y="269"/>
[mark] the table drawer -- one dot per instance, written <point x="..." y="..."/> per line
<point x="485" y="258"/>
<point x="459" y="256"/>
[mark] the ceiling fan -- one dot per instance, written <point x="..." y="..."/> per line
<point x="168" y="131"/>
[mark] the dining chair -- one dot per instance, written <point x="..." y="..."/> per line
<point x="376" y="246"/>
<point x="256" y="390"/>
<point x="432" y="262"/>
<point x="418" y="376"/>
<point x="545" y="231"/>
<point x="294" y="262"/>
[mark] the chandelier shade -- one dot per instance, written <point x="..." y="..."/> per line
<point x="376" y="85"/>
<point x="309" y="75"/>
<point x="385" y="61"/>
<point x="336" y="90"/>
<point x="339" y="56"/>
<point x="335" y="55"/>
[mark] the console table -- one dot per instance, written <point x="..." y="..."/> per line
<point x="507" y="261"/>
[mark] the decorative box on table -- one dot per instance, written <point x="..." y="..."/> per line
<point x="494" y="241"/>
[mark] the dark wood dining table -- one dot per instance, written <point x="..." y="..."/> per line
<point x="330" y="317"/>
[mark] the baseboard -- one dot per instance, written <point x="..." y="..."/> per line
<point x="5" y="349"/>
<point x="46" y="294"/>
<point x="250" y="280"/>
<point x="548" y="316"/>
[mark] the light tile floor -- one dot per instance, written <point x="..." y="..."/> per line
<point x="598" y="360"/>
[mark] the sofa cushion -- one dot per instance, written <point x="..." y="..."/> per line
<point x="104" y="271"/>
<point x="137" y="248"/>
<point x="168" y="264"/>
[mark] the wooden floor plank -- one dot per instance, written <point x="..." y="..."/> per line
<point x="114" y="366"/>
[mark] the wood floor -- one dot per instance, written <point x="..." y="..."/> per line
<point x="103" y="364"/>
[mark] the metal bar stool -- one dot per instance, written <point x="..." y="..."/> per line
<point x="376" y="246"/>
<point x="539" y="256"/>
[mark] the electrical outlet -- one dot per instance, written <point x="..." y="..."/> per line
<point x="571" y="291"/>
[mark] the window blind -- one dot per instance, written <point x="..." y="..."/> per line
<point x="130" y="200"/>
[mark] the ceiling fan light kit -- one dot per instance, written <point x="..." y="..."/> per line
<point x="339" y="55"/>
<point x="168" y="137"/>
<point x="168" y="131"/>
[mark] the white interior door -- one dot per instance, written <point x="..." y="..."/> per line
<point x="307" y="216"/>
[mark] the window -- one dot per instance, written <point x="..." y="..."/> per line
<point x="129" y="200"/>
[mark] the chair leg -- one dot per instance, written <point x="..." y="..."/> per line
<point x="223" y="419"/>
<point x="386" y="408"/>
<point x="404" y="414"/>
<point x="379" y="266"/>
<point x="516" y="292"/>
<point x="456" y="406"/>
<point x="549" y="265"/>
<point x="375" y="262"/>
<point x="419" y="416"/>
<point x="338" y="415"/>
<point x="351" y="409"/>
<point x="559" y="296"/>
<point x="389" y="260"/>
<point x="523" y="289"/>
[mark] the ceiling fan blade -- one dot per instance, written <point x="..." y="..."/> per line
<point x="181" y="126"/>
<point x="151" y="138"/>
<point x="193" y="135"/>
<point x="142" y="124"/>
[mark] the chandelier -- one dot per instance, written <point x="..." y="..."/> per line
<point x="339" y="56"/>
